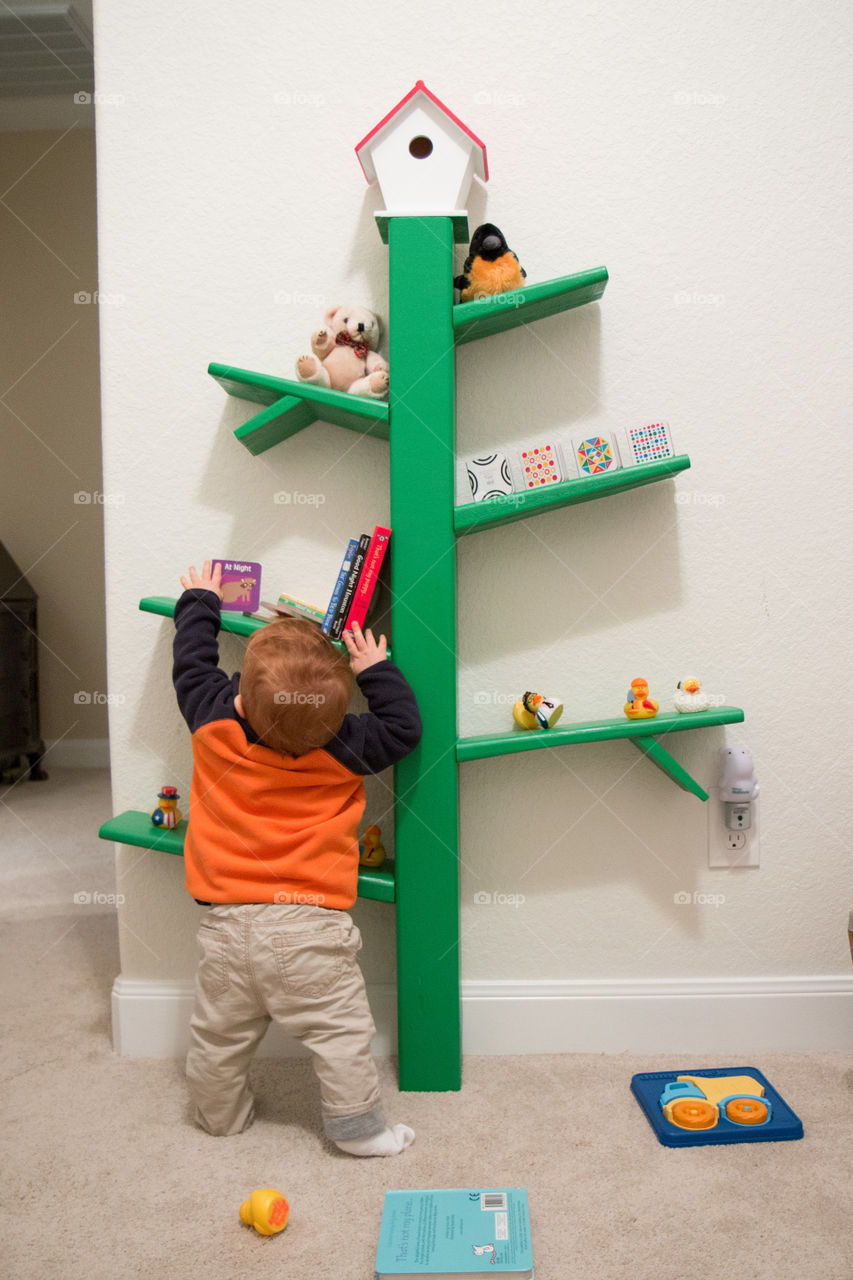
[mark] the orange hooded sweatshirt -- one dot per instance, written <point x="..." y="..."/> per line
<point x="264" y="827"/>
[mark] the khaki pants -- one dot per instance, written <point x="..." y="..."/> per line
<point x="296" y="964"/>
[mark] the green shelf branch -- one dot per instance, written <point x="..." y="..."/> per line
<point x="135" y="827"/>
<point x="472" y="516"/>
<point x="294" y="405"/>
<point x="239" y="624"/>
<point x="642" y="734"/>
<point x="485" y="316"/>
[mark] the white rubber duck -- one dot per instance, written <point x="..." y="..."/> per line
<point x="688" y="696"/>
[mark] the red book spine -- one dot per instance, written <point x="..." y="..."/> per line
<point x="368" y="577"/>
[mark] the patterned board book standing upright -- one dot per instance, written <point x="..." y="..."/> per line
<point x="540" y="465"/>
<point x="594" y="454"/>
<point x="489" y="476"/>
<point x="652" y="443"/>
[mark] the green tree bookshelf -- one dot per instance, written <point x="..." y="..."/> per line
<point x="419" y="422"/>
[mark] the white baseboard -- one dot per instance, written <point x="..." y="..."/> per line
<point x="151" y="1020"/>
<point x="77" y="753"/>
<point x="742" y="1017"/>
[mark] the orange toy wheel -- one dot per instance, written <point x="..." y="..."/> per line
<point x="693" y="1113"/>
<point x="746" y="1111"/>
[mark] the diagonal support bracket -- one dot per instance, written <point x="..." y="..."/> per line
<point x="668" y="765"/>
<point x="279" y="422"/>
<point x="292" y="406"/>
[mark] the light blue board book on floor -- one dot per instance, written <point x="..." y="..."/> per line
<point x="455" y="1233"/>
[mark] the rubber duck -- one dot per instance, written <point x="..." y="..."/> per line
<point x="689" y="698"/>
<point x="639" y="705"/>
<point x="371" y="850"/>
<point x="266" y="1210"/>
<point x="167" y="813"/>
<point x="535" y="711"/>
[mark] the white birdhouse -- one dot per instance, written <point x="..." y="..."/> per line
<point x="422" y="156"/>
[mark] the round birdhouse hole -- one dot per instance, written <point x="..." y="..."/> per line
<point x="420" y="147"/>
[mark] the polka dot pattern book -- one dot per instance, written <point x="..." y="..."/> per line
<point x="652" y="443"/>
<point x="540" y="465"/>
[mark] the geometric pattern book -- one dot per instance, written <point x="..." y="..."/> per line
<point x="595" y="455"/>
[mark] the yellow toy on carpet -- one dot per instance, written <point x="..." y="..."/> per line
<point x="266" y="1210"/>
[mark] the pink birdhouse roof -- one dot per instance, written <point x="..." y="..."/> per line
<point x="420" y="88"/>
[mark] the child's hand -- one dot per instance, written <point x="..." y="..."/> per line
<point x="207" y="582"/>
<point x="363" y="650"/>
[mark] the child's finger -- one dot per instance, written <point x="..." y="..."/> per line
<point x="216" y="576"/>
<point x="206" y="570"/>
<point x="185" y="584"/>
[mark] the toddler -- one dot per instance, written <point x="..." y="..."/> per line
<point x="276" y="797"/>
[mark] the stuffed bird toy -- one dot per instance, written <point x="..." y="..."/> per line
<point x="491" y="266"/>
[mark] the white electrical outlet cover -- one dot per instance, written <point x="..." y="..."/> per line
<point x="720" y="851"/>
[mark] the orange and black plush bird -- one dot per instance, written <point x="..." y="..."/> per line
<point x="491" y="266"/>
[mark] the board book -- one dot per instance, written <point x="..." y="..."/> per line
<point x="240" y="585"/>
<point x="368" y="578"/>
<point x="455" y="1233"/>
<point x="289" y="607"/>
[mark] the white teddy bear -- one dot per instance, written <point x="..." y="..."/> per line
<point x="345" y="354"/>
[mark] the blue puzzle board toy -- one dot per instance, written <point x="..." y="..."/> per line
<point x="783" y="1126"/>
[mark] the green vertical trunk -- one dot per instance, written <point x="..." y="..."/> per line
<point x="423" y="568"/>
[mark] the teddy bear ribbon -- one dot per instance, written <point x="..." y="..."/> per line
<point x="346" y="340"/>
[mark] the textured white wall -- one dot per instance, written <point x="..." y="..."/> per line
<point x="700" y="153"/>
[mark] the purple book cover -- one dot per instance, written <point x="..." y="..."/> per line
<point x="241" y="585"/>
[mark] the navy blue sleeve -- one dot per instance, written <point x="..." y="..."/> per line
<point x="204" y="691"/>
<point x="388" y="731"/>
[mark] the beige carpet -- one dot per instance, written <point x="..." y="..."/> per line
<point x="104" y="1177"/>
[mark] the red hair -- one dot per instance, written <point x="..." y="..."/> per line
<point x="295" y="686"/>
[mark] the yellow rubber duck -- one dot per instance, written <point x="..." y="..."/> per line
<point x="372" y="851"/>
<point x="535" y="711"/>
<point x="266" y="1210"/>
<point x="639" y="705"/>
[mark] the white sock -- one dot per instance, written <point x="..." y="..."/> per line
<point x="390" y="1142"/>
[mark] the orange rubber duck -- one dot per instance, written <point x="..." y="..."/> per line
<point x="639" y="705"/>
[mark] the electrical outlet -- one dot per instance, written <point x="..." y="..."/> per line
<point x="728" y="847"/>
